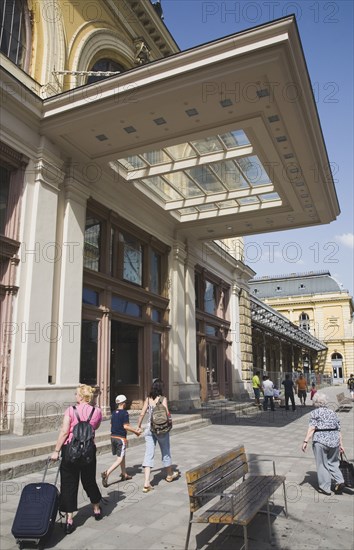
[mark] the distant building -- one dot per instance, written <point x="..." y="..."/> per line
<point x="316" y="303"/>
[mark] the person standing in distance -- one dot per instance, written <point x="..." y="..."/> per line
<point x="302" y="389"/>
<point x="256" y="385"/>
<point x="289" y="388"/>
<point x="268" y="391"/>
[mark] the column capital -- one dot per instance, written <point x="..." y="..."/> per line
<point x="48" y="174"/>
<point x="76" y="191"/>
<point x="179" y="251"/>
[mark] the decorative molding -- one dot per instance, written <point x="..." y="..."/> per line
<point x="142" y="52"/>
<point x="11" y="157"/>
<point x="48" y="174"/>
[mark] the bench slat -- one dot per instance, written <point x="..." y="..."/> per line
<point x="196" y="473"/>
<point x="249" y="497"/>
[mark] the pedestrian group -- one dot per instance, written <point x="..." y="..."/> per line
<point x="324" y="429"/>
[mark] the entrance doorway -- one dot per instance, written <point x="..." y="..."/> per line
<point x="337" y="366"/>
<point x="212" y="370"/>
<point x="125" y="373"/>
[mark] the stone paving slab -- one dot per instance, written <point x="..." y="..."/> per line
<point x="158" y="520"/>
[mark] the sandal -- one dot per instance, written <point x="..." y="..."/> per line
<point x="125" y="477"/>
<point x="172" y="477"/>
<point x="104" y="477"/>
<point x="148" y="489"/>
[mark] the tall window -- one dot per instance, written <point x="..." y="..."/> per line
<point x="210" y="298"/>
<point x="13" y="15"/>
<point x="89" y="344"/>
<point x="104" y="65"/>
<point x="156" y="355"/>
<point x="304" y="321"/>
<point x="155" y="273"/>
<point x="4" y="196"/>
<point x="92" y="245"/>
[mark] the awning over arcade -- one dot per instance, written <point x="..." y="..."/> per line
<point x="223" y="139"/>
<point x="272" y="322"/>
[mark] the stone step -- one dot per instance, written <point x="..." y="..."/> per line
<point x="24" y="460"/>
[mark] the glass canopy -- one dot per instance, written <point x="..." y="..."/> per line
<point x="213" y="176"/>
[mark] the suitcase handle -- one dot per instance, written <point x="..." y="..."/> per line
<point x="49" y="460"/>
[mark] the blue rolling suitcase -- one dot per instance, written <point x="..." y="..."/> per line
<point x="36" y="512"/>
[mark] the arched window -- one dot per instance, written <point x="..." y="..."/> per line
<point x="304" y="321"/>
<point x="14" y="20"/>
<point x="104" y="65"/>
<point x="336" y="356"/>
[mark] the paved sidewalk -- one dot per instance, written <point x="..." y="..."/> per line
<point x="158" y="520"/>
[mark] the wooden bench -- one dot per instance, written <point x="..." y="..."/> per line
<point x="344" y="403"/>
<point x="233" y="504"/>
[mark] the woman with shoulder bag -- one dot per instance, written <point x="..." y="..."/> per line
<point x="324" y="428"/>
<point x="151" y="438"/>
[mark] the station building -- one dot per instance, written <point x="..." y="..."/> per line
<point x="130" y="172"/>
<point x="316" y="303"/>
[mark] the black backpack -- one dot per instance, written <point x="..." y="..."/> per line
<point x="81" y="449"/>
<point x="160" y="419"/>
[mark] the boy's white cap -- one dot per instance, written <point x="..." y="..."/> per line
<point x="120" y="398"/>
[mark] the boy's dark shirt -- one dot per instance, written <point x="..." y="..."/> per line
<point x="288" y="386"/>
<point x="118" y="419"/>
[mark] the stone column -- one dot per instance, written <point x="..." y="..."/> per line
<point x="36" y="332"/>
<point x="70" y="283"/>
<point x="245" y="333"/>
<point x="184" y="388"/>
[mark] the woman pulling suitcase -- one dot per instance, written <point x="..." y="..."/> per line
<point x="71" y="472"/>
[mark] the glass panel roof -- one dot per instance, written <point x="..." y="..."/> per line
<point x="220" y="174"/>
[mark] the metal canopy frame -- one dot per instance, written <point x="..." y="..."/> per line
<point x="273" y="322"/>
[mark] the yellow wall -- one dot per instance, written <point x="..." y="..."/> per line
<point x="330" y="321"/>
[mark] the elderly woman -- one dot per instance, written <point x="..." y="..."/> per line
<point x="70" y="473"/>
<point x="324" y="428"/>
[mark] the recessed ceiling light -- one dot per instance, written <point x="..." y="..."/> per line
<point x="101" y="137"/>
<point x="263" y="93"/>
<point x="281" y="138"/>
<point x="130" y="129"/>
<point x="159" y="121"/>
<point x="289" y="156"/>
<point x="226" y="102"/>
<point x="273" y="118"/>
<point x="192" y="112"/>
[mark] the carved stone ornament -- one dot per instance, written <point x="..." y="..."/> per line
<point x="142" y="54"/>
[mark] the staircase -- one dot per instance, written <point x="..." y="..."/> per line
<point x="27" y="454"/>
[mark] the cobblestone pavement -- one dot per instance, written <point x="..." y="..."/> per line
<point x="158" y="520"/>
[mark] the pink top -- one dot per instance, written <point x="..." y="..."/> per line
<point x="83" y="410"/>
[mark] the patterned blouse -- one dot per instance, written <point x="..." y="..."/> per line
<point x="325" y="419"/>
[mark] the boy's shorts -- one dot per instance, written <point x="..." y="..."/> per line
<point x="119" y="445"/>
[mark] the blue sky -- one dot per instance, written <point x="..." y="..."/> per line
<point x="326" y="31"/>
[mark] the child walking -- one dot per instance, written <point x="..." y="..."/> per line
<point x="313" y="390"/>
<point x="119" y="427"/>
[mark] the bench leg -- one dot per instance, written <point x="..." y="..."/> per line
<point x="189" y="531"/>
<point x="269" y="524"/>
<point x="285" y="501"/>
<point x="245" y="539"/>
